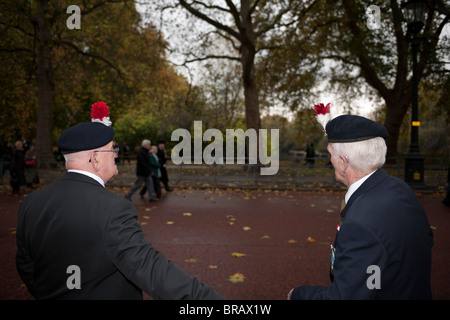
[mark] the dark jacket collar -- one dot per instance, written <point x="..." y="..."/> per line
<point x="377" y="177"/>
<point x="80" y="177"/>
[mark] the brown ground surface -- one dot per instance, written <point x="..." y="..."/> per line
<point x="200" y="230"/>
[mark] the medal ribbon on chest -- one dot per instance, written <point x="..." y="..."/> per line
<point x="338" y="227"/>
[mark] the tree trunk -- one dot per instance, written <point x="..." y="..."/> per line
<point x="251" y="94"/>
<point x="248" y="51"/>
<point x="396" y="109"/>
<point x="45" y="82"/>
<point x="252" y="115"/>
<point x="246" y="37"/>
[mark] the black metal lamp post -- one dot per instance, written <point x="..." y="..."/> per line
<point x="414" y="11"/>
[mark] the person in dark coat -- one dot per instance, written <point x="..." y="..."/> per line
<point x="17" y="167"/>
<point x="156" y="173"/>
<point x="78" y="240"/>
<point x="446" y="200"/>
<point x="382" y="249"/>
<point x="162" y="161"/>
<point x="5" y="158"/>
<point x="143" y="172"/>
<point x="31" y="173"/>
<point x="310" y="155"/>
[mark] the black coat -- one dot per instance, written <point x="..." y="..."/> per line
<point x="143" y="166"/>
<point x="383" y="225"/>
<point x="78" y="222"/>
<point x="161" y="156"/>
<point x="162" y="161"/>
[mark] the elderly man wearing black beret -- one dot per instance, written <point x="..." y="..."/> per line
<point x="382" y="249"/>
<point x="77" y="240"/>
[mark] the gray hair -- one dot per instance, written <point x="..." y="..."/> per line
<point x="79" y="156"/>
<point x="365" y="156"/>
<point x="145" y="141"/>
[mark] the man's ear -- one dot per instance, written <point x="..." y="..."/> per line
<point x="345" y="162"/>
<point x="93" y="161"/>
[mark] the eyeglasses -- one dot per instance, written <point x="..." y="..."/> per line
<point x="115" y="150"/>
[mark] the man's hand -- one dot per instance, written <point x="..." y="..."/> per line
<point x="289" y="294"/>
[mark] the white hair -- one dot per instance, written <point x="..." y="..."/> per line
<point x="145" y="141"/>
<point x="365" y="156"/>
<point x="79" y="156"/>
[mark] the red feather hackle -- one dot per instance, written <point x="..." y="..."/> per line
<point x="99" y="110"/>
<point x="321" y="109"/>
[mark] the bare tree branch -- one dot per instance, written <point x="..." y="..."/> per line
<point x="361" y="53"/>
<point x="95" y="56"/>
<point x="86" y="9"/>
<point x="235" y="13"/>
<point x="17" y="27"/>
<point x="226" y="37"/>
<point x="16" y="50"/>
<point x="442" y="7"/>
<point x="253" y="8"/>
<point x="211" y="7"/>
<point x="213" y="56"/>
<point x="211" y="21"/>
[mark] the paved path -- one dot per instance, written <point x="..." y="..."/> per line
<point x="258" y="238"/>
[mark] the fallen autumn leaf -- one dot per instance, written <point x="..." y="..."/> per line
<point x="237" y="277"/>
<point x="238" y="255"/>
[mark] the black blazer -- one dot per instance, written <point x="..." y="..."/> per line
<point x="383" y="225"/>
<point x="161" y="156"/>
<point x="78" y="222"/>
<point x="143" y="165"/>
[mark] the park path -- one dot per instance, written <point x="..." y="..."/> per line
<point x="247" y="244"/>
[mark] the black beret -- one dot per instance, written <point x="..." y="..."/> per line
<point x="350" y="128"/>
<point x="85" y="136"/>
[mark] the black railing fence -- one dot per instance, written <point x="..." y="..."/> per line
<point x="293" y="172"/>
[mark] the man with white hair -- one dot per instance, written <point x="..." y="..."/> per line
<point x="143" y="172"/>
<point x="383" y="244"/>
<point x="78" y="240"/>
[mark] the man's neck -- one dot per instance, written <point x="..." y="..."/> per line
<point x="356" y="184"/>
<point x="89" y="174"/>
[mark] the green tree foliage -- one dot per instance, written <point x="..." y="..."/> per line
<point x="363" y="60"/>
<point x="114" y="57"/>
<point x="293" y="46"/>
<point x="241" y="31"/>
<point x="18" y="89"/>
<point x="288" y="68"/>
